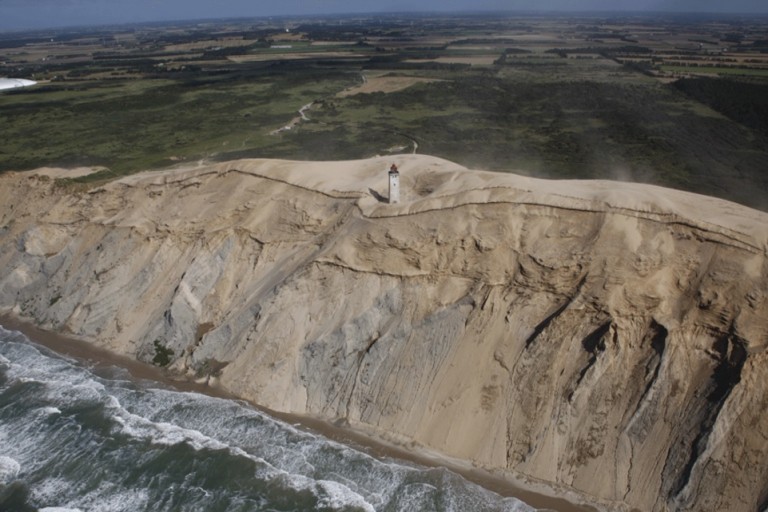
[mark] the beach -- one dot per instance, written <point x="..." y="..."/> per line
<point x="98" y="359"/>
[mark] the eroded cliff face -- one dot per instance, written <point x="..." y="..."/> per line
<point x="597" y="336"/>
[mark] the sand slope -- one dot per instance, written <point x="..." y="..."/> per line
<point x="605" y="337"/>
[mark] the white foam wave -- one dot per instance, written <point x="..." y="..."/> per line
<point x="335" y="495"/>
<point x="329" y="494"/>
<point x="515" y="505"/>
<point x="9" y="335"/>
<point x="336" y="475"/>
<point x="166" y="434"/>
<point x="414" y="496"/>
<point x="108" y="498"/>
<point x="9" y="469"/>
<point x="50" y="490"/>
<point x="61" y="376"/>
<point x="245" y="432"/>
<point x="159" y="433"/>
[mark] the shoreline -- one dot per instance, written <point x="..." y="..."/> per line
<point x="538" y="495"/>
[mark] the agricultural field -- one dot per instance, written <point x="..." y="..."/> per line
<point x="672" y="101"/>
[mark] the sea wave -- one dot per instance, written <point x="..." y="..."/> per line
<point x="9" y="469"/>
<point x="76" y="440"/>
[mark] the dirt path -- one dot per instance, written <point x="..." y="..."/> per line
<point x="296" y="120"/>
<point x="347" y="92"/>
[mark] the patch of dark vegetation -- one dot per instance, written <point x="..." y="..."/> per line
<point x="397" y="63"/>
<point x="481" y="40"/>
<point x="743" y="101"/>
<point x="602" y="50"/>
<point x="162" y="355"/>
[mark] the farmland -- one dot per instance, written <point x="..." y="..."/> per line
<point x="652" y="99"/>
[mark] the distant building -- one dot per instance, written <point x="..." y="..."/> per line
<point x="394" y="184"/>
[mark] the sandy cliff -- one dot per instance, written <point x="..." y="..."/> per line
<point x="610" y="338"/>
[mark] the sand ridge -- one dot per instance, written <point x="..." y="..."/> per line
<point x="431" y="184"/>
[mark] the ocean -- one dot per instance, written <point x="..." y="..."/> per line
<point x="74" y="438"/>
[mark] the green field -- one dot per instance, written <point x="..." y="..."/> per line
<point x="139" y="105"/>
<point x="139" y="124"/>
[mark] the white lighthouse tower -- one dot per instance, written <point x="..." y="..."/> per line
<point x="394" y="185"/>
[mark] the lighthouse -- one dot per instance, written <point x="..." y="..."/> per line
<point x="394" y="185"/>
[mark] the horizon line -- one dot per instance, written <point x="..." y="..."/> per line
<point x="428" y="13"/>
